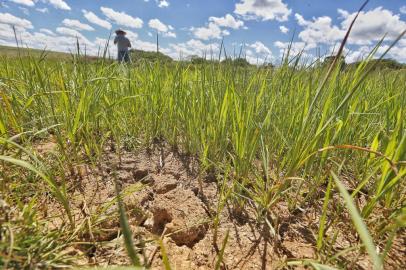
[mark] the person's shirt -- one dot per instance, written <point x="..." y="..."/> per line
<point x="122" y="42"/>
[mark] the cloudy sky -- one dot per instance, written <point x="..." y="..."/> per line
<point x="196" y="27"/>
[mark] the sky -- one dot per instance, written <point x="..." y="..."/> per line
<point x="262" y="28"/>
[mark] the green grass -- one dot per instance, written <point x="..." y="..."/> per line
<point x="295" y="121"/>
<point x="136" y="55"/>
<point x="13" y="52"/>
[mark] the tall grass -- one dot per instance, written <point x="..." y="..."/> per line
<point x="295" y="121"/>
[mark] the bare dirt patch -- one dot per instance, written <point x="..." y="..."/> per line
<point x="164" y="197"/>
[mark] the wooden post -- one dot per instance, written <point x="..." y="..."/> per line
<point x="157" y="42"/>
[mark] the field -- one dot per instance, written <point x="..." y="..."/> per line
<point x="201" y="166"/>
<point x="13" y="52"/>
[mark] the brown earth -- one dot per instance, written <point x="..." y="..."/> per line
<point x="166" y="198"/>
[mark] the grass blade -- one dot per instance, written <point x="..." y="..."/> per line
<point x="53" y="185"/>
<point x="165" y="258"/>
<point x="318" y="266"/>
<point x="324" y="216"/>
<point x="359" y="224"/>
<point x="221" y="253"/>
<point x="125" y="227"/>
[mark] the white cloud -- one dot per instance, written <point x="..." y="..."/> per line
<point x="403" y="9"/>
<point x="354" y="55"/>
<point x="258" y="53"/>
<point x="70" y="32"/>
<point x="77" y="25"/>
<point x="256" y="59"/>
<point x="158" y="25"/>
<point x="101" y="42"/>
<point x="398" y="52"/>
<point x="319" y="30"/>
<point x="283" y="29"/>
<point x="104" y="44"/>
<point x="295" y="47"/>
<point x="122" y="18"/>
<point x="7" y="34"/>
<point x="29" y="3"/>
<point x="161" y="27"/>
<point x="44" y="39"/>
<point x="7" y="18"/>
<point x="214" y="29"/>
<point x="131" y="35"/>
<point x="372" y="25"/>
<point x="93" y="18"/>
<point x="193" y="47"/>
<point x="170" y="34"/>
<point x="163" y="3"/>
<point x="58" y="4"/>
<point x="145" y="45"/>
<point x="263" y="9"/>
<point x="47" y="31"/>
<point x="227" y="21"/>
<point x="260" y="48"/>
<point x="42" y="10"/>
<point x="209" y="32"/>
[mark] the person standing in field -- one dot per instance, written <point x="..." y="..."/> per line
<point x="123" y="44"/>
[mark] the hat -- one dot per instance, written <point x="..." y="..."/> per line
<point x="120" y="31"/>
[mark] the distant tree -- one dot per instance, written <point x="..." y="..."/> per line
<point x="194" y="59"/>
<point x="268" y="65"/>
<point x="330" y="59"/>
<point x="241" y="62"/>
<point x="137" y="55"/>
<point x="381" y="64"/>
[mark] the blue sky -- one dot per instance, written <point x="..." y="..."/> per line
<point x="195" y="27"/>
